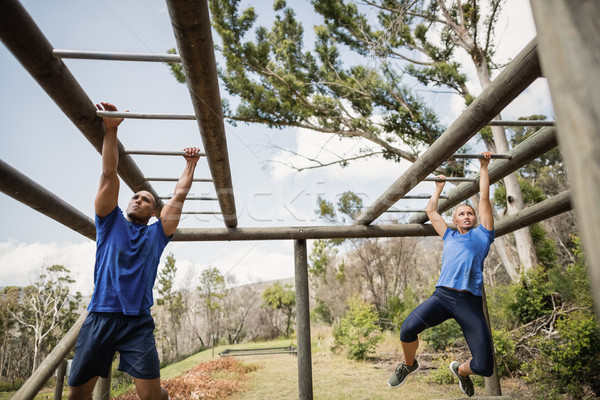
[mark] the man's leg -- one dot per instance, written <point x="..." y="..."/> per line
<point x="83" y="392"/>
<point x="150" y="389"/>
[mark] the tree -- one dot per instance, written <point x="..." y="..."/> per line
<point x="238" y="305"/>
<point x="173" y="301"/>
<point x="280" y="84"/>
<point x="11" y="366"/>
<point x="43" y="302"/>
<point x="282" y="299"/>
<point x="212" y="290"/>
<point x="382" y="268"/>
<point x="434" y="30"/>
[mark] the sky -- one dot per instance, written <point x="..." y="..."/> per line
<point x="38" y="139"/>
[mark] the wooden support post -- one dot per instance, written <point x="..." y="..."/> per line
<point x="305" y="388"/>
<point x="102" y="389"/>
<point x="492" y="384"/>
<point x="569" y="37"/>
<point x="60" y="379"/>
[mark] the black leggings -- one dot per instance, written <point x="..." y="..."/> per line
<point x="467" y="310"/>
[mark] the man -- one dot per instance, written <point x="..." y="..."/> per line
<point x="458" y="292"/>
<point x="128" y="252"/>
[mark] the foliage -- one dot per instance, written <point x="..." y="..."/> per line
<point x="12" y="385"/>
<point x="173" y="303"/>
<point x="281" y="298"/>
<point x="546" y="172"/>
<point x="357" y="330"/>
<point x="532" y="296"/>
<point x="321" y="311"/>
<point x="570" y="361"/>
<point x="319" y="258"/>
<point x="504" y="348"/>
<point x="443" y="335"/>
<point x="280" y="84"/>
<point x="46" y="305"/>
<point x="212" y="290"/>
<point x="442" y="375"/>
<point x="568" y="351"/>
<point x="574" y="284"/>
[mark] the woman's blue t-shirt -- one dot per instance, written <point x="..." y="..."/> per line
<point x="462" y="259"/>
<point x="127" y="258"/>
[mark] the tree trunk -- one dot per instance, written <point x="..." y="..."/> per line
<point x="514" y="197"/>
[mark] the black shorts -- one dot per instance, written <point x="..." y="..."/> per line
<point x="103" y="334"/>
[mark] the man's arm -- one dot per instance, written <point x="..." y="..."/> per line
<point x="485" y="206"/>
<point x="436" y="219"/>
<point x="171" y="212"/>
<point x="108" y="192"/>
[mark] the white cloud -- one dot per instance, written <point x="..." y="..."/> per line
<point x="20" y="262"/>
<point x="248" y="262"/>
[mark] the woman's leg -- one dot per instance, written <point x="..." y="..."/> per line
<point x="431" y="312"/>
<point x="471" y="319"/>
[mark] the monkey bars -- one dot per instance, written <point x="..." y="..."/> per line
<point x="577" y="115"/>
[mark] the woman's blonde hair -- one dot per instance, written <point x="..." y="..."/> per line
<point x="463" y="205"/>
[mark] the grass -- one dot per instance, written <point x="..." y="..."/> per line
<point x="334" y="376"/>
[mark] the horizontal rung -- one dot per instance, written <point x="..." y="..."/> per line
<point x="523" y="122"/>
<point x="496" y="156"/>
<point x="111" y="56"/>
<point x="449" y="179"/>
<point x="201" y="212"/>
<point x="158" y="153"/>
<point x="119" y="114"/>
<point x="192" y="198"/>
<point x="421" y="196"/>
<point x="151" y="179"/>
<point x="405" y="211"/>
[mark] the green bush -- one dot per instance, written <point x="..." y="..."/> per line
<point x="504" y="347"/>
<point x="443" y="335"/>
<point x="442" y="374"/>
<point x="532" y="297"/>
<point x="357" y="330"/>
<point x="569" y="358"/>
<point x="11" y="386"/>
<point x="575" y="357"/>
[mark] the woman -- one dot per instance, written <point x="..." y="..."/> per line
<point x="459" y="289"/>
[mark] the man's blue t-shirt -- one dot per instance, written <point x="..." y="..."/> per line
<point x="462" y="259"/>
<point x="127" y="258"/>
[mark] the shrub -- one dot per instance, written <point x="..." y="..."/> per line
<point x="504" y="347"/>
<point x="442" y="374"/>
<point x="11" y="385"/>
<point x="357" y="330"/>
<point x="443" y="335"/>
<point x="532" y="296"/>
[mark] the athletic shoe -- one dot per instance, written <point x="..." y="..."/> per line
<point x="401" y="372"/>
<point x="466" y="385"/>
